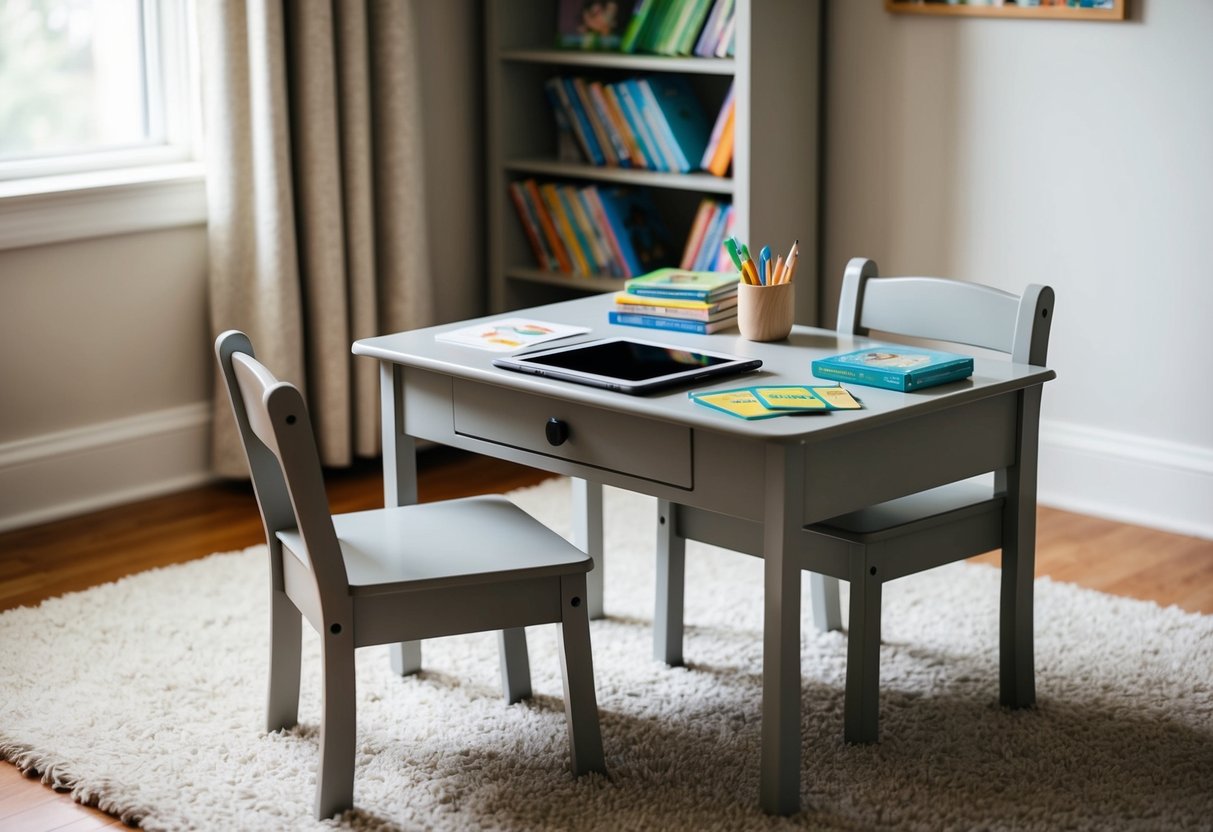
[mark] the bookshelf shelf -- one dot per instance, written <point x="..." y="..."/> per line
<point x="773" y="181"/>
<point x="614" y="60"/>
<point x="699" y="182"/>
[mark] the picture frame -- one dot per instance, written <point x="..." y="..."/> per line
<point x="1107" y="10"/>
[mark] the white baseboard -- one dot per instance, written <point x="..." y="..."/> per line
<point x="1124" y="477"/>
<point x="76" y="471"/>
<point x="1133" y="479"/>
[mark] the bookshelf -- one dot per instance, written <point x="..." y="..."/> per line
<point x="773" y="180"/>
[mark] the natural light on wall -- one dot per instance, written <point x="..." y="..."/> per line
<point x="97" y="102"/>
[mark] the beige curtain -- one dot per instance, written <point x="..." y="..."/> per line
<point x="316" y="196"/>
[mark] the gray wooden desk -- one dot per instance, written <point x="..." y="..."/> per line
<point x="781" y="473"/>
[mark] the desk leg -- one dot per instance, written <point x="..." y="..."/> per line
<point x="671" y="583"/>
<point x="399" y="481"/>
<point x="587" y="536"/>
<point x="779" y="782"/>
<point x="1017" y="679"/>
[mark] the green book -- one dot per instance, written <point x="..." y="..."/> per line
<point x="680" y="283"/>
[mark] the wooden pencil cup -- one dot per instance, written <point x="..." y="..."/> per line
<point x="765" y="313"/>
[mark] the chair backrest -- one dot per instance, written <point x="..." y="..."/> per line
<point x="276" y="433"/>
<point x="947" y="310"/>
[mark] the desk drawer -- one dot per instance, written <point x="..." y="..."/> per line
<point x="631" y="445"/>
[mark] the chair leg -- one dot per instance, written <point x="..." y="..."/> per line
<point x="515" y="664"/>
<point x="671" y="586"/>
<point x="577" y="670"/>
<point x="861" y="712"/>
<point x="338" y="728"/>
<point x="824" y="598"/>
<point x="282" y="705"/>
<point x="406" y="658"/>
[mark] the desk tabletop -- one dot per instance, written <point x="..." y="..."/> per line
<point x="783" y="362"/>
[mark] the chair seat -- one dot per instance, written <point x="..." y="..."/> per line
<point x="889" y="518"/>
<point x="445" y="544"/>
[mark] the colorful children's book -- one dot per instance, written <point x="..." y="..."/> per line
<point x="672" y="324"/>
<point x="509" y="334"/>
<point x="895" y="367"/>
<point x="678" y="283"/>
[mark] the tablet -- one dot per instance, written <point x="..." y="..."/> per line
<point x="627" y="365"/>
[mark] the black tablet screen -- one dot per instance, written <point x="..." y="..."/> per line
<point x="629" y="360"/>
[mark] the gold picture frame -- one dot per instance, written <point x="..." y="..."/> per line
<point x="1043" y="9"/>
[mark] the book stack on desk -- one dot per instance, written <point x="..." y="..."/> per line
<point x="679" y="300"/>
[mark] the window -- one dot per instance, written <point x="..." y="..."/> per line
<point x="98" y="97"/>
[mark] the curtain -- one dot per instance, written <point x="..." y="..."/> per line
<point x="316" y="194"/>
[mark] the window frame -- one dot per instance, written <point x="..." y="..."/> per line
<point x="161" y="185"/>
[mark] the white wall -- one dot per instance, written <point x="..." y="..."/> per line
<point x="1070" y="153"/>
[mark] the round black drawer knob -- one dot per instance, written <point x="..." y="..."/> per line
<point x="556" y="431"/>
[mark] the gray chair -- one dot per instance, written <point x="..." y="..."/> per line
<point x="397" y="574"/>
<point x="914" y="533"/>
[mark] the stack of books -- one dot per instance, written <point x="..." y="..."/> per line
<point x="678" y="300"/>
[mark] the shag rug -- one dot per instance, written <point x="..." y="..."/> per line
<point x="145" y="697"/>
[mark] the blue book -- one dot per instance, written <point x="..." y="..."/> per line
<point x="632" y="97"/>
<point x="558" y="96"/>
<point x="895" y="367"/>
<point x="673" y="324"/>
<point x="637" y="227"/>
<point x="681" y="120"/>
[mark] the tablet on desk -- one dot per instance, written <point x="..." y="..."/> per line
<point x="627" y="365"/>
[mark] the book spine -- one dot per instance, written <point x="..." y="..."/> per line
<point x="699" y="227"/>
<point x="624" y="125"/>
<point x="569" y="203"/>
<point x="617" y="223"/>
<point x="592" y="229"/>
<point x="677" y="294"/>
<point x="531" y="227"/>
<point x="586" y="105"/>
<point x="535" y="199"/>
<point x="940" y="375"/>
<point x="660" y="126"/>
<point x="631" y="35"/>
<point x="674" y="312"/>
<point x="655" y="322"/>
<point x="581" y="121"/>
<point x="623" y="155"/>
<point x="712" y="238"/>
<point x="603" y="223"/>
<point x="559" y="97"/>
<point x="561" y="220"/>
<point x="629" y="96"/>
<point x="859" y="375"/>
<point x="717" y="129"/>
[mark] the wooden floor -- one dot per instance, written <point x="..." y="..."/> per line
<point x="69" y="555"/>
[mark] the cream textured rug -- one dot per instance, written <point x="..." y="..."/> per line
<point x="145" y="697"/>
